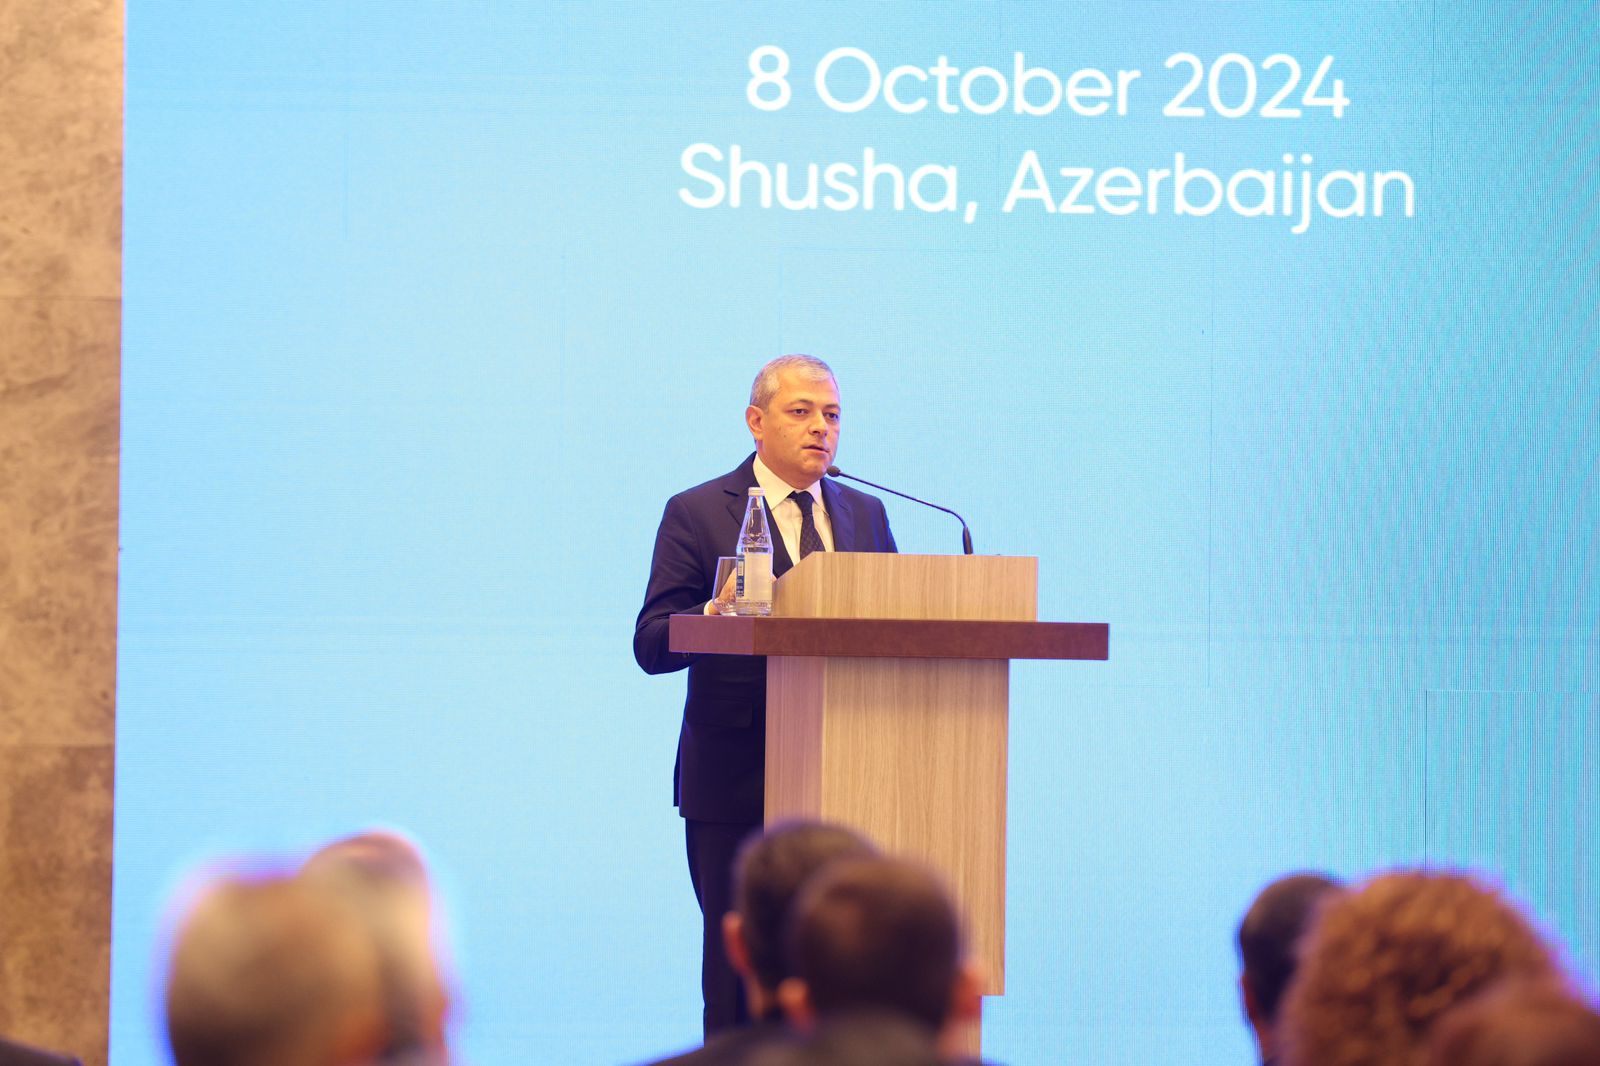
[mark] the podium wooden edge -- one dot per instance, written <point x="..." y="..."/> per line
<point x="888" y="638"/>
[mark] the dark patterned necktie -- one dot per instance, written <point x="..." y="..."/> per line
<point x="810" y="539"/>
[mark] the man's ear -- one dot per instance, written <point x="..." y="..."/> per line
<point x="966" y="995"/>
<point x="795" y="999"/>
<point x="752" y="419"/>
<point x="733" y="942"/>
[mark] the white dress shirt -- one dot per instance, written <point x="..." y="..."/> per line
<point x="786" y="513"/>
<point x="786" y="516"/>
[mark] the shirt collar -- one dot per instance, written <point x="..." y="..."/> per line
<point x="777" y="489"/>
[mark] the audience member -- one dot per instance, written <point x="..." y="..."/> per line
<point x="879" y="934"/>
<point x="769" y="872"/>
<point x="1519" y="1024"/>
<point x="1271" y="929"/>
<point x="1382" y="963"/>
<point x="865" y="1038"/>
<point x="274" y="971"/>
<point x="381" y="855"/>
<point x="12" y="1054"/>
<point x="386" y="879"/>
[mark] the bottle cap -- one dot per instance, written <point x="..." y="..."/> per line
<point x="757" y="490"/>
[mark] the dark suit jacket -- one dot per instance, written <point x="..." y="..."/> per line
<point x="18" y="1055"/>
<point x="720" y="775"/>
<point x="734" y="1047"/>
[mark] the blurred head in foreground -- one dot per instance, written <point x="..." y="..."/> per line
<point x="769" y="873"/>
<point x="878" y="934"/>
<point x="385" y="878"/>
<point x="1519" y="1024"/>
<point x="1382" y="963"/>
<point x="273" y="972"/>
<point x="1268" y="936"/>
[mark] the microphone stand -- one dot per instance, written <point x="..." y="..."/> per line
<point x="966" y="534"/>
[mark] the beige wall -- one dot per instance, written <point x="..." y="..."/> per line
<point x="60" y="318"/>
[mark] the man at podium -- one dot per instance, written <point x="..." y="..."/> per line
<point x="794" y="417"/>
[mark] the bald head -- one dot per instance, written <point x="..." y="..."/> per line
<point x="384" y="877"/>
<point x="380" y="856"/>
<point x="272" y="972"/>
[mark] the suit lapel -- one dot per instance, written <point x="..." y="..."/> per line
<point x="840" y="517"/>
<point x="780" y="553"/>
<point x="737" y="485"/>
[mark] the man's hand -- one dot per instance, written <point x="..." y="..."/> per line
<point x="722" y="602"/>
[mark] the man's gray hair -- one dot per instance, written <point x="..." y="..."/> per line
<point x="765" y="385"/>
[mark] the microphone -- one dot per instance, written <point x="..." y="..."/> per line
<point x="966" y="534"/>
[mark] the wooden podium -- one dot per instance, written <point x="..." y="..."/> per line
<point x="887" y="703"/>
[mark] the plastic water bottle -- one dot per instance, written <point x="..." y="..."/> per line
<point x="754" y="595"/>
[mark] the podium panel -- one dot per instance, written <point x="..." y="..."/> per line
<point x="913" y="753"/>
<point x="967" y="588"/>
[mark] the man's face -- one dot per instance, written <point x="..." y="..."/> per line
<point x="797" y="433"/>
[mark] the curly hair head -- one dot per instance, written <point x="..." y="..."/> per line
<point x="1519" y="1023"/>
<point x="1383" y="962"/>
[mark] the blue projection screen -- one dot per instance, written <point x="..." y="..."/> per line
<point x="1270" y="328"/>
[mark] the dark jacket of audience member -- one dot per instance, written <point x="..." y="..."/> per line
<point x="1268" y="936"/>
<point x="1382" y="963"/>
<point x="1519" y="1024"/>
<point x="12" y="1054"/>
<point x="864" y="1038"/>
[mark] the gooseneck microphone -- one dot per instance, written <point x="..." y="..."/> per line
<point x="966" y="534"/>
